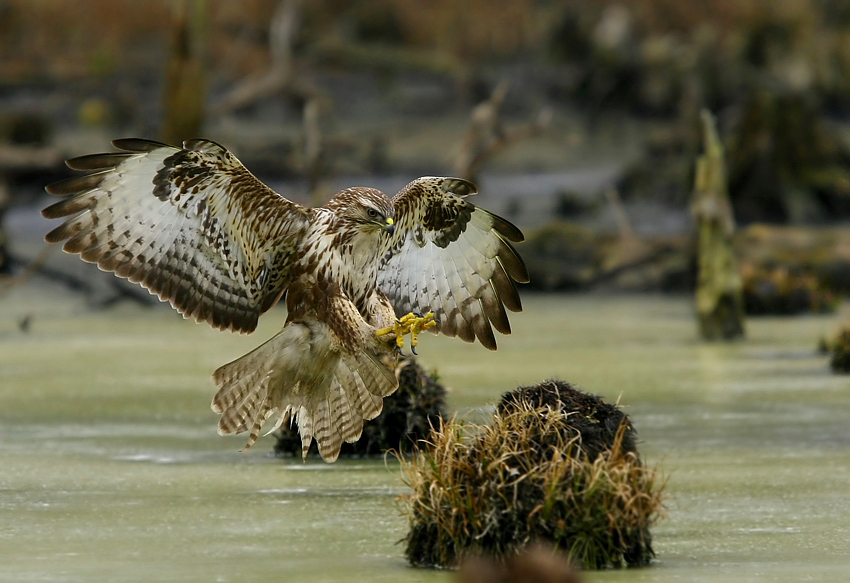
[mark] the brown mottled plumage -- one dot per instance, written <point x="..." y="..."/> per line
<point x="196" y="228"/>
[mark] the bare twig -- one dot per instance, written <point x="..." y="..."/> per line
<point x="623" y="224"/>
<point x="487" y="136"/>
<point x="280" y="78"/>
<point x="631" y="250"/>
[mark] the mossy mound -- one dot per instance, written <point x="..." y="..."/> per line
<point x="595" y="423"/>
<point x="406" y="418"/>
<point x="556" y="465"/>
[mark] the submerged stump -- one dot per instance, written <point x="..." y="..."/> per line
<point x="556" y="465"/>
<point x="406" y="418"/>
<point x="719" y="303"/>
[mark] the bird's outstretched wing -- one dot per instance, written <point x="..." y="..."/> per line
<point x="453" y="258"/>
<point x="190" y="224"/>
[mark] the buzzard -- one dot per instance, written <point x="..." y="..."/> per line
<point x="196" y="228"/>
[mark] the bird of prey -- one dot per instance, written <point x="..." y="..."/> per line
<point x="196" y="228"/>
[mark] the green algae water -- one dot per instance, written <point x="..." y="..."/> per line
<point x="111" y="468"/>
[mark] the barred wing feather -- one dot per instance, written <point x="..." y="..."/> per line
<point x="191" y="225"/>
<point x="453" y="258"/>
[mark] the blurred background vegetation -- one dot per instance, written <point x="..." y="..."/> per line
<point x="579" y="118"/>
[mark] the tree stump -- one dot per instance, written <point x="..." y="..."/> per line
<point x="719" y="300"/>
<point x="185" y="88"/>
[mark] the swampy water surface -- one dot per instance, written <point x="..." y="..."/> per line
<point x="111" y="468"/>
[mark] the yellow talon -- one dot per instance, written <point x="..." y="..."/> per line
<point x="409" y="324"/>
<point x="418" y="324"/>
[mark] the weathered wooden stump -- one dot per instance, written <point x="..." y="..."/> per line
<point x="185" y="88"/>
<point x="719" y="302"/>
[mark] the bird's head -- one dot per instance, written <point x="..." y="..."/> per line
<point x="369" y="210"/>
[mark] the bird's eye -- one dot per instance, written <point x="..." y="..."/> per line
<point x="372" y="213"/>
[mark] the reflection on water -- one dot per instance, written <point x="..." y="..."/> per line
<point x="112" y="469"/>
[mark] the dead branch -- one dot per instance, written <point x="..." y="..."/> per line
<point x="280" y="78"/>
<point x="487" y="136"/>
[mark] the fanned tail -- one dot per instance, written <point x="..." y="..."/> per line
<point x="297" y="378"/>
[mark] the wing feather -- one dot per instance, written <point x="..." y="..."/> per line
<point x="140" y="145"/>
<point x="506" y="229"/>
<point x="511" y="262"/>
<point x="97" y="161"/>
<point x="482" y="329"/>
<point x="506" y="289"/>
<point x="68" y="207"/>
<point x="191" y="225"/>
<point x="78" y="183"/>
<point x="454" y="320"/>
<point x="451" y="257"/>
<point x="437" y="289"/>
<point x="468" y="309"/>
<point x="495" y="309"/>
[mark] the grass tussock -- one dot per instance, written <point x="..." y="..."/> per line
<point x="495" y="489"/>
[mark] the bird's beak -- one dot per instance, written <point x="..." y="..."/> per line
<point x="389" y="226"/>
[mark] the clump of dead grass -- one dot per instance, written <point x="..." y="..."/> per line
<point x="494" y="489"/>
